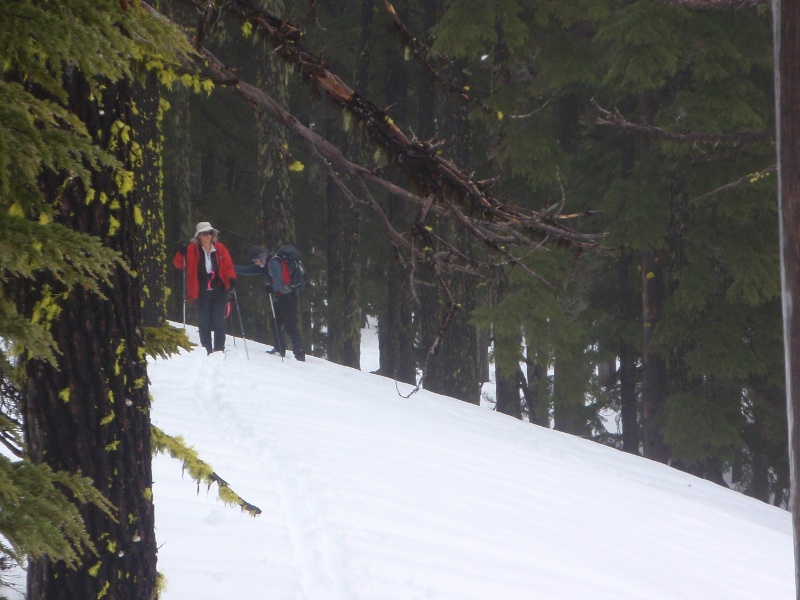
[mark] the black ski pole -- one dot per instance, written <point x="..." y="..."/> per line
<point x="184" y="292"/>
<point x="278" y="343"/>
<point x="241" y="324"/>
<point x="230" y="314"/>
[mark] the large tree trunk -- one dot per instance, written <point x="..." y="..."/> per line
<point x="90" y="413"/>
<point x="147" y="133"/>
<point x="787" y="93"/>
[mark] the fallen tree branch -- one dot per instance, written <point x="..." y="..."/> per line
<point x="430" y="172"/>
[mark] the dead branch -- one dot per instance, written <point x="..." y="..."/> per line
<point x="751" y="178"/>
<point x="422" y="52"/>
<point x="498" y="226"/>
<point x="720" y="4"/>
<point x="738" y="140"/>
<point x="430" y="172"/>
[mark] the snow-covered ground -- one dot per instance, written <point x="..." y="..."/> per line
<point x="367" y="495"/>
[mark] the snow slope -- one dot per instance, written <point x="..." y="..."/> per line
<point x="367" y="495"/>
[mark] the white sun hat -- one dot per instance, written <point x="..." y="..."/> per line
<point x="202" y="227"/>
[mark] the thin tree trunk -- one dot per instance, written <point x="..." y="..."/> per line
<point x="90" y="413"/>
<point x="787" y="93"/>
<point x="629" y="407"/>
<point x="569" y="386"/>
<point x="396" y="326"/>
<point x="344" y="278"/>
<point x="454" y="370"/>
<point x="179" y="185"/>
<point x="655" y="368"/>
<point x="277" y="202"/>
<point x="506" y="373"/>
<point x="344" y="228"/>
<point x="507" y="393"/>
<point x="538" y="409"/>
<point x="276" y="212"/>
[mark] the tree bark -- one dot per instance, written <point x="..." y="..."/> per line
<point x="629" y="406"/>
<point x="344" y="228"/>
<point x="506" y="374"/>
<point x="276" y="224"/>
<point x="786" y="14"/>
<point x="89" y="414"/>
<point x="277" y="204"/>
<point x="344" y="274"/>
<point x="454" y="370"/>
<point x="395" y="325"/>
<point x="147" y="134"/>
<point x="570" y="414"/>
<point x="180" y="185"/>
<point x="655" y="367"/>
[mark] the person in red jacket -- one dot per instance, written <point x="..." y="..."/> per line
<point x="209" y="278"/>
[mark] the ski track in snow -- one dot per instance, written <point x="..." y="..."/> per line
<point x="317" y="557"/>
<point x="316" y="545"/>
<point x="370" y="496"/>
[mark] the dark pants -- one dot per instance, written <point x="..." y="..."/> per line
<point x="212" y="306"/>
<point x="286" y="320"/>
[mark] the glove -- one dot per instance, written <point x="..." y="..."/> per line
<point x="231" y="285"/>
<point x="182" y="249"/>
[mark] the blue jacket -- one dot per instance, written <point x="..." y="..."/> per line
<point x="278" y="277"/>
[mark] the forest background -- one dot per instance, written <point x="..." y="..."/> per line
<point x="653" y="121"/>
<point x="638" y="136"/>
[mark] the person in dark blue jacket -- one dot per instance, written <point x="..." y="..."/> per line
<point x="283" y="298"/>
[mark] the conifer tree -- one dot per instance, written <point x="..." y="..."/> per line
<point x="71" y="302"/>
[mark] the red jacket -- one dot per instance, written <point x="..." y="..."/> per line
<point x="194" y="254"/>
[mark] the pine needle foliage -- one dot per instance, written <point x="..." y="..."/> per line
<point x="165" y="341"/>
<point x="38" y="517"/>
<point x="106" y="40"/>
<point x="199" y="470"/>
<point x="38" y="133"/>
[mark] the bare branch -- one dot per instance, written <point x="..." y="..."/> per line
<point x="616" y="119"/>
<point x="423" y="52"/>
<point x="751" y="178"/>
<point x="429" y="171"/>
<point x="720" y="4"/>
